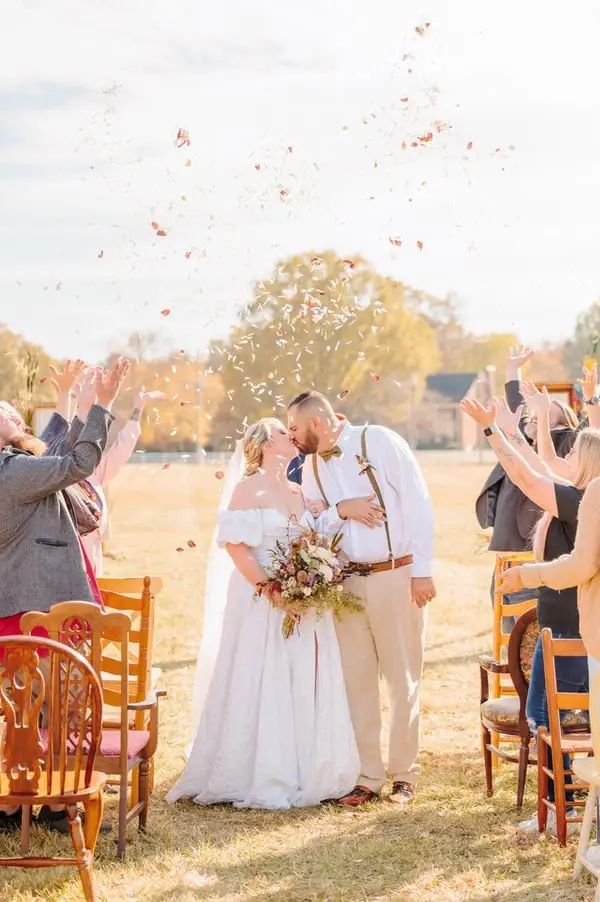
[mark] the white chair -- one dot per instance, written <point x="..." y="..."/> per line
<point x="588" y="856"/>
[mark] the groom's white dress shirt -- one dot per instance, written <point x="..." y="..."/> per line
<point x="405" y="495"/>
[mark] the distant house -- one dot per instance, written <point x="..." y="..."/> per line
<point x="440" y="421"/>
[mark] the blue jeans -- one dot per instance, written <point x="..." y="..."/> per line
<point x="571" y="676"/>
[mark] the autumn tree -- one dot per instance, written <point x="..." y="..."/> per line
<point x="24" y="369"/>
<point x="584" y="343"/>
<point x="328" y="323"/>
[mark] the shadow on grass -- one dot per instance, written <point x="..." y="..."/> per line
<point x="453" y="836"/>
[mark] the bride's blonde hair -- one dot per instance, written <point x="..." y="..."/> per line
<point x="255" y="438"/>
<point x="588" y="449"/>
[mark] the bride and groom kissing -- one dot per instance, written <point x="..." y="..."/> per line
<point x="283" y="723"/>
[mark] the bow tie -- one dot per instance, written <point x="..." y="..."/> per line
<point x="336" y="451"/>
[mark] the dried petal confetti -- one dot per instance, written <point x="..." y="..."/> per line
<point x="183" y="138"/>
<point x="420" y="245"/>
<point x="161" y="233"/>
<point x="166" y="466"/>
<point x="188" y="254"/>
<point x="191" y="543"/>
<point x="342" y="394"/>
<point x="165" y="312"/>
<point x="179" y="549"/>
<point x="188" y="162"/>
<point x="219" y="474"/>
<point x="395" y="241"/>
<point x="470" y="145"/>
<point x="375" y="377"/>
<point x="154" y="225"/>
<point x="257" y="166"/>
<point x="100" y="255"/>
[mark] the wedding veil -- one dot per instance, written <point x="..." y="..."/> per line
<point x="218" y="572"/>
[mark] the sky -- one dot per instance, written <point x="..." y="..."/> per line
<point x="296" y="114"/>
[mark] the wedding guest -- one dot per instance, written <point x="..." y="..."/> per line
<point x="554" y="536"/>
<point x="91" y="505"/>
<point x="41" y="559"/>
<point x="501" y="504"/>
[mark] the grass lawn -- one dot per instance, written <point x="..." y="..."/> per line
<point x="453" y="845"/>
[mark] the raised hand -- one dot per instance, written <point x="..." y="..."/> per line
<point x="538" y="402"/>
<point x="484" y="416"/>
<point x="65" y="380"/>
<point x="85" y="391"/>
<point x="508" y="420"/>
<point x="109" y="383"/>
<point x="516" y="357"/>
<point x="142" y="396"/>
<point x="589" y="382"/>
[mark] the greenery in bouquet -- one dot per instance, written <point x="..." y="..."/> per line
<point x="308" y="574"/>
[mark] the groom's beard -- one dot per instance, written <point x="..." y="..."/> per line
<point x="29" y="443"/>
<point x="310" y="444"/>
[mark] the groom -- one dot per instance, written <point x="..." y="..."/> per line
<point x="371" y="478"/>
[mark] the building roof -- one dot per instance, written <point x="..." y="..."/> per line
<point x="453" y="386"/>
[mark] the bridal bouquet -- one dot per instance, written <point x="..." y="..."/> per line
<point x="309" y="573"/>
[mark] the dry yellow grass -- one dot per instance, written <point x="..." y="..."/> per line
<point x="453" y="845"/>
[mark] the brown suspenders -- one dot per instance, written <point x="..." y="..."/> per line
<point x="368" y="469"/>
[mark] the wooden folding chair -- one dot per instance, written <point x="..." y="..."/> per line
<point x="52" y="766"/>
<point x="568" y="735"/>
<point x="123" y="750"/>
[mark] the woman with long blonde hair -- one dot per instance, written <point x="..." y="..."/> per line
<point x="272" y="722"/>
<point x="559" y="498"/>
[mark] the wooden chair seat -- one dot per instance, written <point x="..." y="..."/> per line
<point x="47" y="794"/>
<point x="572" y="742"/>
<point x="110" y="743"/>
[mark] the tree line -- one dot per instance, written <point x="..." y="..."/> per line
<point x="321" y="321"/>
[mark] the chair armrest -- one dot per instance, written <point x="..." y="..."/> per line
<point x="488" y="663"/>
<point x="150" y="702"/>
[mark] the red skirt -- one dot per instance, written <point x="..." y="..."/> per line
<point x="11" y="626"/>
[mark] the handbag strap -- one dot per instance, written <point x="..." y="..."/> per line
<point x="318" y="479"/>
<point x="376" y="489"/>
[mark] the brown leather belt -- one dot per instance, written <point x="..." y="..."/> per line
<point x="367" y="569"/>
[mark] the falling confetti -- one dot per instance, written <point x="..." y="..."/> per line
<point x="165" y="312"/>
<point x="188" y="162"/>
<point x="342" y="394"/>
<point x="166" y="466"/>
<point x="183" y="138"/>
<point x="43" y="379"/>
<point x="219" y="474"/>
<point x="154" y="225"/>
<point x="404" y="100"/>
<point x="179" y="549"/>
<point x="395" y="241"/>
<point x="161" y="233"/>
<point x="257" y="166"/>
<point x="188" y="254"/>
<point x="191" y="543"/>
<point x="100" y="255"/>
<point x="350" y="263"/>
<point x="470" y="145"/>
<point x="375" y="377"/>
<point x="421" y="29"/>
<point x="420" y="245"/>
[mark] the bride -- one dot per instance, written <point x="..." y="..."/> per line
<point x="272" y="722"/>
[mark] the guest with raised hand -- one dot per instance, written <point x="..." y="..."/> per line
<point x="554" y="536"/>
<point x="117" y="455"/>
<point x="589" y="388"/>
<point x="41" y="558"/>
<point x="64" y="382"/>
<point x="543" y="410"/>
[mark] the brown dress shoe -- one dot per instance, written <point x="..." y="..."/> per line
<point x="402" y="793"/>
<point x="360" y="795"/>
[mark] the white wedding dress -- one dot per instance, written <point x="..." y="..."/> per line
<point x="275" y="729"/>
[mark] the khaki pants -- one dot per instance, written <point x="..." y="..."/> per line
<point x="388" y="634"/>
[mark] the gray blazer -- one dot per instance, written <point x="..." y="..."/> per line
<point x="40" y="556"/>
